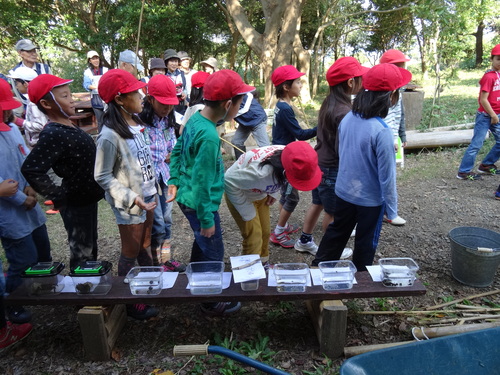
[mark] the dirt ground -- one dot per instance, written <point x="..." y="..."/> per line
<point x="432" y="201"/>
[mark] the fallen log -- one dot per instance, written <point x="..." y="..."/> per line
<point x="441" y="138"/>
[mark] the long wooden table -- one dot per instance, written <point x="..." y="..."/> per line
<point x="329" y="315"/>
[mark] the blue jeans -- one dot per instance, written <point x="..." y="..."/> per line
<point x="483" y="124"/>
<point x="162" y="222"/>
<point x="259" y="133"/>
<point x="81" y="225"/>
<point x="204" y="248"/>
<point x="324" y="194"/>
<point x="24" y="252"/>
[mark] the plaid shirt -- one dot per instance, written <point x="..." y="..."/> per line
<point x="161" y="139"/>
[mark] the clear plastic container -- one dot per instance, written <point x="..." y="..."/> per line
<point x="145" y="280"/>
<point x="92" y="277"/>
<point x="337" y="274"/>
<point x="398" y="272"/>
<point x="291" y="277"/>
<point x="205" y="277"/>
<point x="250" y="285"/>
<point x="43" y="278"/>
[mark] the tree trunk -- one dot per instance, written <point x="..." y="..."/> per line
<point x="479" y="43"/>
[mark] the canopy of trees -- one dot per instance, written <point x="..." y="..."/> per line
<point x="252" y="36"/>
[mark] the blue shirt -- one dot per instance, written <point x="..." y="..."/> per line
<point x="15" y="221"/>
<point x="286" y="128"/>
<point x="367" y="168"/>
<point x="251" y="112"/>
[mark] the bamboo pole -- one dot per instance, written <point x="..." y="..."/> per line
<point x="421" y="333"/>
<point x="496" y="291"/>
<point x="351" y="351"/>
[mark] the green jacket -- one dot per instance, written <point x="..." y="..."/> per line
<point x="197" y="170"/>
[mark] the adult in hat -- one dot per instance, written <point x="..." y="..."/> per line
<point x="129" y="61"/>
<point x="366" y="181"/>
<point x="27" y="50"/>
<point x="254" y="181"/>
<point x="185" y="66"/>
<point x="91" y="76"/>
<point x="23" y="233"/>
<point x="172" y="61"/>
<point x="344" y="79"/>
<point x="210" y="65"/>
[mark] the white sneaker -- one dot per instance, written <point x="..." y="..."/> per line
<point x="353" y="233"/>
<point x="398" y="221"/>
<point x="308" y="247"/>
<point x="346" y="253"/>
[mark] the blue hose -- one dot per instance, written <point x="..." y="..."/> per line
<point x="212" y="349"/>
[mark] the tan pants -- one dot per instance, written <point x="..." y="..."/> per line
<point x="255" y="232"/>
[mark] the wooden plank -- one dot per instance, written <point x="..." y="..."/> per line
<point x="115" y="323"/>
<point x="120" y="294"/>
<point x="95" y="337"/>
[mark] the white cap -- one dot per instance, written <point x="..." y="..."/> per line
<point x="24" y="73"/>
<point x="91" y="54"/>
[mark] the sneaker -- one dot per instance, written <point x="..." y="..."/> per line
<point x="13" y="333"/>
<point x="290" y="228"/>
<point x="346" y="253"/>
<point x="173" y="266"/>
<point x="18" y="315"/>
<point x="165" y="251"/>
<point x="308" y="247"/>
<point x="497" y="195"/>
<point x="220" y="308"/>
<point x="353" y="233"/>
<point x="141" y="311"/>
<point x="52" y="212"/>
<point x="48" y="203"/>
<point x="468" y="176"/>
<point x="490" y="169"/>
<point x="282" y="239"/>
<point x="398" y="221"/>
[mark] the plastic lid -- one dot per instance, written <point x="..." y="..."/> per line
<point x="91" y="268"/>
<point x="42" y="269"/>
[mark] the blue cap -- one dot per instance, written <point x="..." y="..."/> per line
<point x="130" y="57"/>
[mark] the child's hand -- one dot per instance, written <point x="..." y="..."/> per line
<point x="144" y="206"/>
<point x="494" y="119"/>
<point x="8" y="187"/>
<point x="270" y="200"/>
<point x="208" y="232"/>
<point x="171" y="193"/>
<point x="28" y="190"/>
<point x="29" y="203"/>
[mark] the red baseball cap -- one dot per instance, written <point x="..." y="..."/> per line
<point x="393" y="56"/>
<point x="301" y="166"/>
<point x="7" y="101"/>
<point x="386" y="77"/>
<point x="224" y="84"/>
<point x="43" y="84"/>
<point x="285" y="73"/>
<point x="198" y="79"/>
<point x="3" y="126"/>
<point x="343" y="69"/>
<point x="117" y="81"/>
<point x="496" y="50"/>
<point x="162" y="88"/>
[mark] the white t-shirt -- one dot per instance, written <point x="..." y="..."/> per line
<point x="140" y="149"/>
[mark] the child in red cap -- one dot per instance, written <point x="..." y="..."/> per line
<point x="366" y="181"/>
<point x="286" y="129"/>
<point x="23" y="232"/>
<point x="197" y="172"/>
<point x="396" y="117"/>
<point x="195" y="98"/>
<point x="70" y="153"/>
<point x="124" y="169"/>
<point x="486" y="119"/>
<point x="253" y="182"/>
<point x="160" y="134"/>
<point x="344" y="78"/>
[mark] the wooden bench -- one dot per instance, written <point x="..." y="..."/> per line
<point x="101" y="326"/>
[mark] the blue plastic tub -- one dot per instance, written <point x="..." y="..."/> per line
<point x="471" y="353"/>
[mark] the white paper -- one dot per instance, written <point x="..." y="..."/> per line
<point x="375" y="273"/>
<point x="271" y="281"/>
<point x="253" y="272"/>
<point x="316" y="276"/>
<point x="169" y="279"/>
<point x="226" y="280"/>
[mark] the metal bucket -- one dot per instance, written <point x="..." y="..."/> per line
<point x="475" y="255"/>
